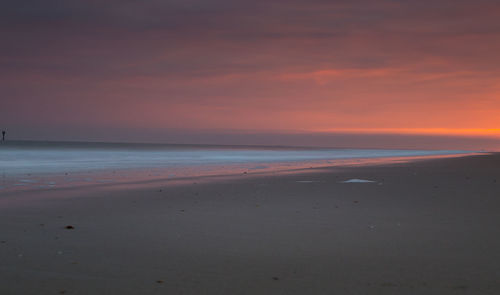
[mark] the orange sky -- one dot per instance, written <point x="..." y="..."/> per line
<point x="361" y="67"/>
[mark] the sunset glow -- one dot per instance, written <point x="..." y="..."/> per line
<point x="82" y="70"/>
<point x="419" y="131"/>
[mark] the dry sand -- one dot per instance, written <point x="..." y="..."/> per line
<point x="427" y="227"/>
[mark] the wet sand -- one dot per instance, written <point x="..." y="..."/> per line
<point x="427" y="227"/>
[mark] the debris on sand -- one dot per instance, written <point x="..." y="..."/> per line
<point x="69" y="227"/>
<point x="276" y="278"/>
<point x="461" y="287"/>
<point x="160" y="281"/>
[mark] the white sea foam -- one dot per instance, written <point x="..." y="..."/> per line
<point x="356" y="180"/>
<point x="28" y="180"/>
<point x="31" y="165"/>
<point x="307" y="181"/>
<point x="79" y="158"/>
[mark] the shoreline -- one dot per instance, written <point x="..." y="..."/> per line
<point x="143" y="177"/>
<point x="423" y="227"/>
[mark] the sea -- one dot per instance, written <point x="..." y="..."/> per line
<point x="48" y="165"/>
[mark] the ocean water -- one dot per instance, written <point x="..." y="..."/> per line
<point x="50" y="164"/>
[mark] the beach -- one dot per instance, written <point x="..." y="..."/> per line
<point x="421" y="227"/>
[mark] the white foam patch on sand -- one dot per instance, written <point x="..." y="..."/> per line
<point x="356" y="180"/>
<point x="28" y="180"/>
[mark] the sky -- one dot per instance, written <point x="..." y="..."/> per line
<point x="364" y="73"/>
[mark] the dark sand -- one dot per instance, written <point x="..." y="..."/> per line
<point x="428" y="227"/>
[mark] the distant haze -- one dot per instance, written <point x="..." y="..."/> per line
<point x="337" y="140"/>
<point x="359" y="73"/>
